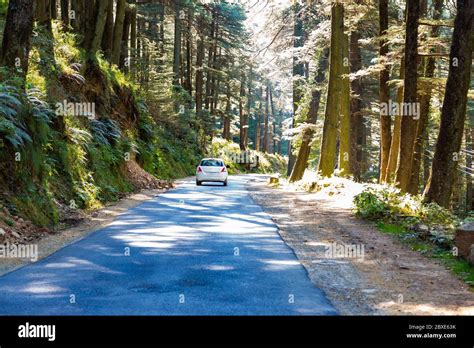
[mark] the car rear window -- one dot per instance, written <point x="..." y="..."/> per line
<point x="212" y="163"/>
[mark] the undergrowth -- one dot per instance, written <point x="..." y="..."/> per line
<point x="425" y="227"/>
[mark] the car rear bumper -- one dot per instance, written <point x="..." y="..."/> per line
<point x="212" y="177"/>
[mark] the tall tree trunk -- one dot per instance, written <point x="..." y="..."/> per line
<point x="177" y="44"/>
<point x="357" y="119"/>
<point x="305" y="148"/>
<point x="99" y="25"/>
<point x="453" y="114"/>
<point x="43" y="13"/>
<point x="65" y="12"/>
<point x="395" y="144"/>
<point x="327" y="160"/>
<point x="346" y="158"/>
<point x="227" y="114"/>
<point x="78" y="15"/>
<point x="108" y="36"/>
<point x="409" y="122"/>
<point x="210" y="62"/>
<point x="133" y="41"/>
<point x="298" y="74"/>
<point x="118" y="31"/>
<point x="16" y="42"/>
<point x="199" y="68"/>
<point x="425" y="103"/>
<point x="189" y="54"/>
<point x="249" y="107"/>
<point x="273" y="127"/>
<point x="469" y="191"/>
<point x="426" y="159"/>
<point x="384" y="94"/>
<point x="258" y="128"/>
<point x="266" y="120"/>
<point x="242" y="117"/>
<point x="54" y="9"/>
<point x="124" y="62"/>
<point x="90" y="18"/>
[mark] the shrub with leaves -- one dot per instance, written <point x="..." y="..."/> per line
<point x="387" y="203"/>
<point x="12" y="126"/>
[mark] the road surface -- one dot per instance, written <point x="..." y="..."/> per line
<point x="207" y="250"/>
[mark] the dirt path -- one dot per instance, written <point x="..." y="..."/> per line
<point x="390" y="279"/>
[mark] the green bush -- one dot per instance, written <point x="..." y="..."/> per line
<point x="370" y="206"/>
<point x="389" y="204"/>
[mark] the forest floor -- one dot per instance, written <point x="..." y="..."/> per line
<point x="390" y="279"/>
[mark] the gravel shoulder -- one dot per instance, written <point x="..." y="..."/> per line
<point x="389" y="280"/>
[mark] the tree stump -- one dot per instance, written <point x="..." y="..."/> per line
<point x="464" y="241"/>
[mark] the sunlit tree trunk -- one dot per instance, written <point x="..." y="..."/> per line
<point x="298" y="74"/>
<point x="453" y="114"/>
<point x="346" y="153"/>
<point x="395" y="144"/>
<point x="307" y="136"/>
<point x="266" y="120"/>
<point x="327" y="161"/>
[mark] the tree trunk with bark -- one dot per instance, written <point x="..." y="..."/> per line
<point x="384" y="94"/>
<point x="118" y="31"/>
<point x="99" y="25"/>
<point x="453" y="114"/>
<point x="242" y="116"/>
<point x="124" y="62"/>
<point x="327" y="161"/>
<point x="177" y="44"/>
<point x="305" y="148"/>
<point x="108" y="36"/>
<point x="266" y="142"/>
<point x="425" y="103"/>
<point x="199" y="68"/>
<point x="346" y="158"/>
<point x="410" y="98"/>
<point x="65" y="12"/>
<point x="16" y="42"/>
<point x="298" y="74"/>
<point x="395" y="145"/>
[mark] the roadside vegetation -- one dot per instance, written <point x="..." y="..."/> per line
<point x="102" y="98"/>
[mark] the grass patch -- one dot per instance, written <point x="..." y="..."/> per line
<point x="391" y="228"/>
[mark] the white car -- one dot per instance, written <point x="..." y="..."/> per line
<point x="211" y="170"/>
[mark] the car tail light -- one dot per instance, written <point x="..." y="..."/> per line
<point x="223" y="170"/>
<point x="199" y="170"/>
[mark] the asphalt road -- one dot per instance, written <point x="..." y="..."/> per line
<point x="207" y="250"/>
